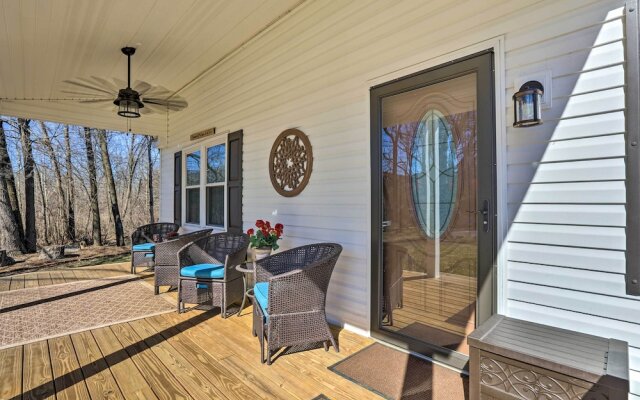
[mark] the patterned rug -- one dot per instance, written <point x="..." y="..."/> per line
<point x="33" y="314"/>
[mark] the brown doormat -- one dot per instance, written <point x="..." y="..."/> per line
<point x="33" y="314"/>
<point x="397" y="375"/>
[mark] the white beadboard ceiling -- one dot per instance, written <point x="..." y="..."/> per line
<point x="44" y="43"/>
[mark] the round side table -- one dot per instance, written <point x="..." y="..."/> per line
<point x="246" y="269"/>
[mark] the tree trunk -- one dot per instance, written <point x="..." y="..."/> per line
<point x="43" y="200"/>
<point x="150" y="178"/>
<point x="11" y="234"/>
<point x="113" y="198"/>
<point x="29" y="188"/>
<point x="93" y="185"/>
<point x="132" y="164"/>
<point x="6" y="170"/>
<point x="62" y="209"/>
<point x="71" y="197"/>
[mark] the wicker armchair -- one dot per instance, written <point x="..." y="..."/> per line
<point x="290" y="293"/>
<point x="208" y="274"/>
<point x="142" y="244"/>
<point x="167" y="271"/>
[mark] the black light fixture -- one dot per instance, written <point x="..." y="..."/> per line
<point x="527" y="105"/>
<point x="128" y="100"/>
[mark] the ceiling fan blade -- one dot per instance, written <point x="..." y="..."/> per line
<point x="106" y="83"/>
<point x="120" y="83"/>
<point x="142" y="87"/>
<point x="85" y="94"/>
<point x="88" y="86"/>
<point x="173" y="104"/>
<point x="95" y="101"/>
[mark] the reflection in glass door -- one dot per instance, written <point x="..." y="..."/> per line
<point x="431" y="218"/>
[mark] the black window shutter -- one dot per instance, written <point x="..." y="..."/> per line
<point x="177" y="188"/>
<point x="234" y="183"/>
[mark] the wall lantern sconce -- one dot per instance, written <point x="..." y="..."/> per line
<point x="527" y="105"/>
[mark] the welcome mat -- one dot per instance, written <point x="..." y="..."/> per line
<point x="33" y="314"/>
<point x="396" y="375"/>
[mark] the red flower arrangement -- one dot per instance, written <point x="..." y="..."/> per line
<point x="265" y="235"/>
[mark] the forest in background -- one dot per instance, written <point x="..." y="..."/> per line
<point x="62" y="184"/>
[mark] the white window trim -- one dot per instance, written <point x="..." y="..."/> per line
<point x="202" y="147"/>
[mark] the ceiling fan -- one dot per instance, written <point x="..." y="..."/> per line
<point x="131" y="102"/>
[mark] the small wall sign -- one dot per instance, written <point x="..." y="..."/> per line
<point x="290" y="162"/>
<point x="202" y="134"/>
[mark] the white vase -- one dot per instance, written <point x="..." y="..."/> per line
<point x="261" y="252"/>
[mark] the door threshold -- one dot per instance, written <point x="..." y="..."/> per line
<point x="420" y="356"/>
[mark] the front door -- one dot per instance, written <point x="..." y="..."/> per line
<point x="433" y="207"/>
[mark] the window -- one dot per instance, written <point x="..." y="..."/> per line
<point x="215" y="184"/>
<point x="206" y="185"/>
<point x="193" y="188"/>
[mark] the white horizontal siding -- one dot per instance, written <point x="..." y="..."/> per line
<point x="566" y="190"/>
<point x="565" y="178"/>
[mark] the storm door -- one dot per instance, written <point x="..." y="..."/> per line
<point x="433" y="214"/>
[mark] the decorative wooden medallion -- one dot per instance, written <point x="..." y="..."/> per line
<point x="290" y="162"/>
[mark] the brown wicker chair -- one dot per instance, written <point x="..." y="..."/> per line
<point x="290" y="295"/>
<point x="167" y="271"/>
<point x="208" y="275"/>
<point x="142" y="243"/>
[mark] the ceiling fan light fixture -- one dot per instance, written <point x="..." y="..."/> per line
<point x="128" y="100"/>
<point x="128" y="103"/>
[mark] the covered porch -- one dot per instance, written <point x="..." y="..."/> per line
<point x="191" y="355"/>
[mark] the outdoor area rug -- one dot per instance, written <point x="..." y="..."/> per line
<point x="33" y="314"/>
<point x="397" y="375"/>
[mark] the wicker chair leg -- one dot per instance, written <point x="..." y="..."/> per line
<point x="179" y="296"/>
<point x="156" y="289"/>
<point x="268" y="355"/>
<point x="334" y="343"/>
<point x="326" y="345"/>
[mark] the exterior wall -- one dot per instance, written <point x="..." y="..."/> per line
<point x="563" y="261"/>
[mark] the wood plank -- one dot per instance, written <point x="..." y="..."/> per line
<point x="98" y="376"/>
<point x="37" y="378"/>
<point x="131" y="383"/>
<point x="17" y="282"/>
<point x="203" y="362"/>
<point x="197" y="383"/>
<point x="57" y="277"/>
<point x="161" y="380"/>
<point x="5" y="284"/>
<point x="44" y="279"/>
<point x="11" y="372"/>
<point x="31" y="280"/>
<point x="69" y="382"/>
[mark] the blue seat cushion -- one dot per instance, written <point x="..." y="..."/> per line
<point x="205" y="271"/>
<point x="149" y="255"/>
<point x="144" y="247"/>
<point x="261" y="292"/>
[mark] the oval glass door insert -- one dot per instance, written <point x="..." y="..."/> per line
<point x="434" y="173"/>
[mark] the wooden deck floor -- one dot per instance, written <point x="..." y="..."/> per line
<point x="194" y="355"/>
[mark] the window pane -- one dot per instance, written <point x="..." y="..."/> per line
<point x="193" y="206"/>
<point x="215" y="164"/>
<point x="193" y="168"/>
<point x="215" y="205"/>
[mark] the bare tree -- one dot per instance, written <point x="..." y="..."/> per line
<point x="11" y="235"/>
<point x="93" y="186"/>
<point x="71" y="199"/>
<point x="46" y="141"/>
<point x="150" y="140"/>
<point x="111" y="186"/>
<point x="29" y="188"/>
<point x="6" y="170"/>
<point x="45" y="212"/>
